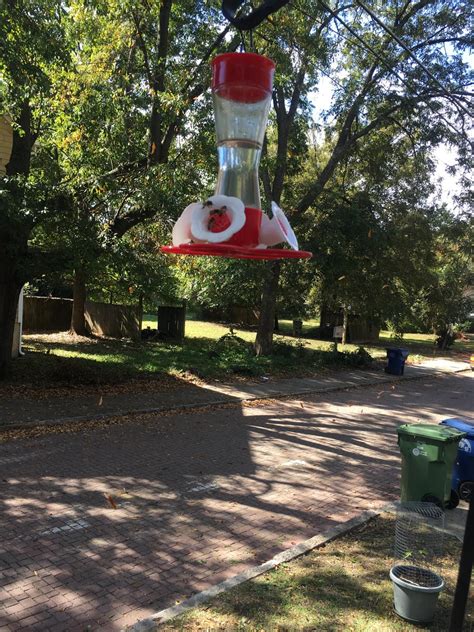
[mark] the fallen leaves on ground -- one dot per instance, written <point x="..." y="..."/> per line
<point x="110" y="500"/>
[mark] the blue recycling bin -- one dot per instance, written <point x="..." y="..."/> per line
<point x="463" y="474"/>
<point x="396" y="360"/>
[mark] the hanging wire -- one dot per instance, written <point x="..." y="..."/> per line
<point x="232" y="11"/>
<point x="247" y="22"/>
<point x="450" y="97"/>
<point x="242" y="41"/>
<point x="356" y="43"/>
<point x="412" y="55"/>
<point x="251" y="42"/>
<point x="364" y="44"/>
<point x="297" y="49"/>
<point x="375" y="53"/>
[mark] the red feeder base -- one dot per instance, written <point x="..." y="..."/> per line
<point x="235" y="252"/>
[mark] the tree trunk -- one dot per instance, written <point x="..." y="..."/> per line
<point x="9" y="292"/>
<point x="78" y="321"/>
<point x="264" y="338"/>
<point x="326" y="322"/>
<point x="344" y="325"/>
<point x="140" y="312"/>
<point x="20" y="158"/>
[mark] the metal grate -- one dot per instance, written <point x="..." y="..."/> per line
<point x="419" y="533"/>
<point x="417" y="576"/>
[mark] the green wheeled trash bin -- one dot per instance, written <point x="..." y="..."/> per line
<point x="428" y="457"/>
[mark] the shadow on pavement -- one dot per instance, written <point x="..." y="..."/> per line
<point x="104" y="526"/>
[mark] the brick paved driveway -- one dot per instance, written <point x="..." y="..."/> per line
<point x="200" y="497"/>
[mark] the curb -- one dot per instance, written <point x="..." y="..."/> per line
<point x="218" y="402"/>
<point x="150" y="624"/>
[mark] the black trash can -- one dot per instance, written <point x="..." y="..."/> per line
<point x="172" y="321"/>
<point x="396" y="360"/>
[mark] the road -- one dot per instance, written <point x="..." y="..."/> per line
<point x="103" y="526"/>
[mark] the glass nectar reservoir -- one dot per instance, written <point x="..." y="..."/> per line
<point x="242" y="91"/>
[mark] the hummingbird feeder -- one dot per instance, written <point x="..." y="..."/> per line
<point x="231" y="222"/>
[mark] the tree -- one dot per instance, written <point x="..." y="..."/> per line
<point x="381" y="88"/>
<point x="215" y="283"/>
<point x="128" y="111"/>
<point x="122" y="89"/>
<point x="31" y="39"/>
<point x="372" y="229"/>
<point x="106" y="88"/>
<point x="298" y="45"/>
<point x="441" y="302"/>
<point x="132" y="271"/>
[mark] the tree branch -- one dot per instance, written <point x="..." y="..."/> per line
<point x="285" y="121"/>
<point x="407" y="132"/>
<point x="158" y="85"/>
<point x="143" y="48"/>
<point x="401" y="19"/>
<point x="264" y="174"/>
<point x="346" y="141"/>
<point x="443" y="40"/>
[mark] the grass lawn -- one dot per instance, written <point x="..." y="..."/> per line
<point x="341" y="586"/>
<point x="424" y="344"/>
<point x="420" y="345"/>
<point x="74" y="361"/>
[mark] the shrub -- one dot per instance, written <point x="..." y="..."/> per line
<point x="359" y="358"/>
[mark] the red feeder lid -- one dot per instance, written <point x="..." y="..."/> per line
<point x="244" y="77"/>
<point x="235" y="252"/>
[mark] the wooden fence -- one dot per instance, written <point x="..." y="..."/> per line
<point x="172" y="321"/>
<point x="43" y="314"/>
<point x="116" y="321"/>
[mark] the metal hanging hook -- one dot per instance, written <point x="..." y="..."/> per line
<point x="242" y="41"/>
<point x="253" y="19"/>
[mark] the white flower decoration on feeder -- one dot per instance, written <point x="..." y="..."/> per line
<point x="277" y="230"/>
<point x="182" y="228"/>
<point x="215" y="221"/>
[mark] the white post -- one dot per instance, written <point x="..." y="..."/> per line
<point x="17" y="333"/>
<point x="20" y="322"/>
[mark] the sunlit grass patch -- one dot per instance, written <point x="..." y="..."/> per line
<point x="71" y="360"/>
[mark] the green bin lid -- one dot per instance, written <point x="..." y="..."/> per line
<point x="443" y="434"/>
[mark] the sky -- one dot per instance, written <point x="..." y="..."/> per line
<point x="443" y="155"/>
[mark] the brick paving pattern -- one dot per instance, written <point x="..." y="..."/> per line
<point x="199" y="497"/>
